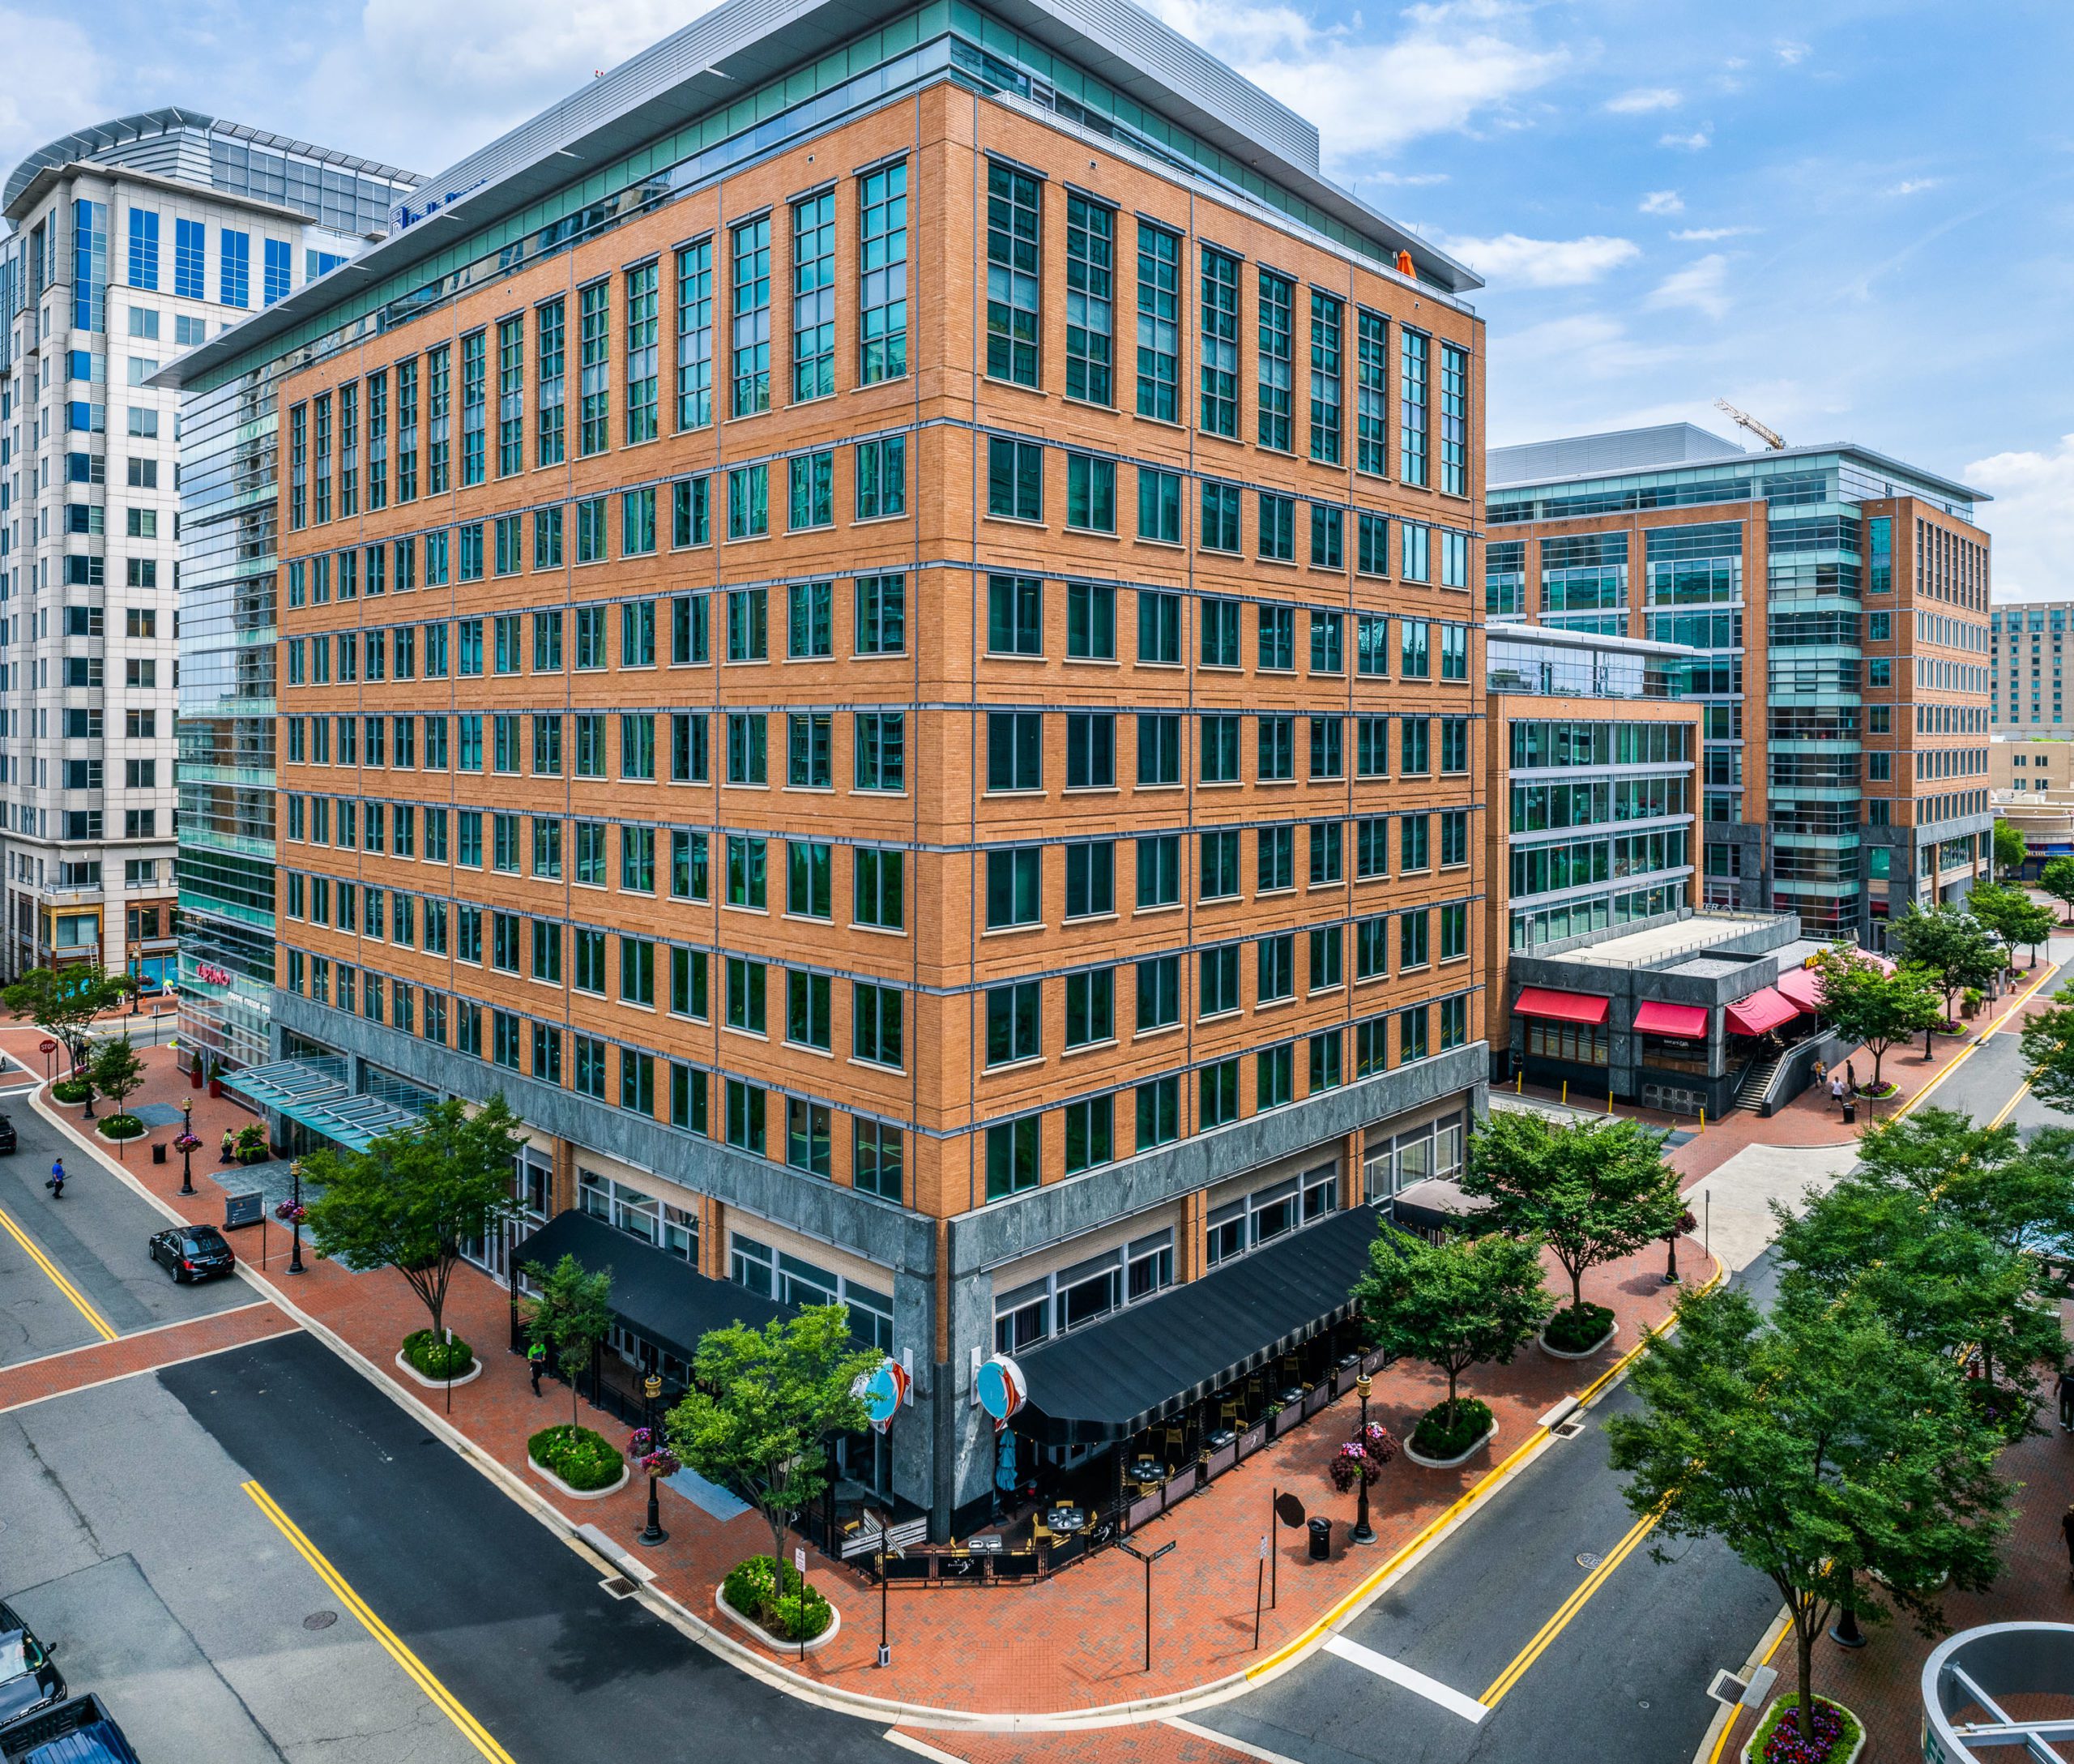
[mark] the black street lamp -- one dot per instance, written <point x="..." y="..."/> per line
<point x="653" y="1461"/>
<point x="1363" y="1532"/>
<point x="295" y="1217"/>
<point x="187" y="1146"/>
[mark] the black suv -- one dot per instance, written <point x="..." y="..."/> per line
<point x="28" y="1681"/>
<point x="192" y="1251"/>
<point x="6" y="1135"/>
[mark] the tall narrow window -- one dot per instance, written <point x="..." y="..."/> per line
<point x="749" y="246"/>
<point x="813" y="296"/>
<point x="695" y="335"/>
<point x="882" y="275"/>
<point x="1370" y="395"/>
<point x="1014" y="268"/>
<point x="1454" y="420"/>
<point x="277" y="271"/>
<point x="549" y="440"/>
<point x="348" y="450"/>
<point x="144" y="249"/>
<point x="1411" y="420"/>
<point x="1090" y="265"/>
<point x="643" y="330"/>
<point x="320" y="473"/>
<point x="511" y="397"/>
<point x="474" y="375"/>
<point x="1220" y="344"/>
<point x="407" y="431"/>
<point x="1277" y="359"/>
<point x="298" y="468"/>
<point x="189" y="260"/>
<point x="1326" y="367"/>
<point x="378" y="441"/>
<point x="1158" y="323"/>
<point x="438" y="415"/>
<point x="594" y="387"/>
<point x="234" y="271"/>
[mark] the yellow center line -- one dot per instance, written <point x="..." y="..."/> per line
<point x="99" y="1324"/>
<point x="414" y="1668"/>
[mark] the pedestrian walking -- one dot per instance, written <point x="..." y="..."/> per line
<point x="536" y="1363"/>
<point x="229" y="1147"/>
<point x="2067" y="1529"/>
<point x="1837" y="1089"/>
<point x="2067" y="1399"/>
<point x="55" y="1181"/>
<point x="1821" y="1071"/>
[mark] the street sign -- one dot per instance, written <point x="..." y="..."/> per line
<point x="799" y="1560"/>
<point x="244" y="1210"/>
<point x="1290" y="1510"/>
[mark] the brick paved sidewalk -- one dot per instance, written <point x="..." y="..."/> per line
<point x="34" y="1380"/>
<point x="1074" y="1642"/>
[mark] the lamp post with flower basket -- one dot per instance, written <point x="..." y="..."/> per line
<point x="293" y="1212"/>
<point x="647" y="1448"/>
<point x="1358" y="1463"/>
<point x="186" y="1144"/>
<point x="1686" y="1223"/>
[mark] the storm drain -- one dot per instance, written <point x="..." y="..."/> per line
<point x="1569" y="1429"/>
<point x="619" y="1586"/>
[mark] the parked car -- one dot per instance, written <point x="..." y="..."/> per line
<point x="192" y="1251"/>
<point x="7" y="1143"/>
<point x="28" y="1680"/>
<point x="79" y="1731"/>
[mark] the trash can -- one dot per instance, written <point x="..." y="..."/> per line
<point x="1320" y="1530"/>
<point x="1850" y="1113"/>
<point x="158" y="1151"/>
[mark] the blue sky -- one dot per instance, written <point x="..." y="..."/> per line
<point x="1854" y="219"/>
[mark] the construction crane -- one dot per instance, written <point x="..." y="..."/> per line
<point x="1771" y="438"/>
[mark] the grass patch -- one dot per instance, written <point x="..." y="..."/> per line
<point x="790" y="1609"/>
<point x="583" y="1459"/>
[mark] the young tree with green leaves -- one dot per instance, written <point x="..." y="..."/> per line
<point x="763" y="1404"/>
<point x="1875" y="1007"/>
<point x="2048" y="1045"/>
<point x="2012" y="849"/>
<point x="64" y="1001"/>
<point x="1993" y="906"/>
<point x="1957" y="948"/>
<point x="2029" y="927"/>
<point x="2057" y="879"/>
<point x="1817" y="1446"/>
<point x="568" y="1313"/>
<point x="117" y="1071"/>
<point x="417" y="1194"/>
<point x="1593" y="1191"/>
<point x="1460" y="1302"/>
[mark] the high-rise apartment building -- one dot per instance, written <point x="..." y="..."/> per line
<point x="2026" y="639"/>
<point x="1839" y="601"/>
<point x="131" y="241"/>
<point x="876" y="628"/>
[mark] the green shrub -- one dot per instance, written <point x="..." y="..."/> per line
<point x="70" y="1090"/>
<point x="798" y="1613"/>
<point x="1576" y="1328"/>
<point x="433" y="1357"/>
<point x="121" y="1126"/>
<point x="582" y="1459"/>
<point x="1448" y="1430"/>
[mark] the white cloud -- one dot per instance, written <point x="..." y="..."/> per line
<point x="1707" y="235"/>
<point x="1662" y="202"/>
<point x="1642" y="99"/>
<point x="1405" y="180"/>
<point x="34" y="111"/>
<point x="1454" y="62"/>
<point x="2032" y="517"/>
<point x="1511" y="257"/>
<point x="1909" y="187"/>
<point x="1692" y="143"/>
<point x="1792" y="53"/>
<point x="1699" y="285"/>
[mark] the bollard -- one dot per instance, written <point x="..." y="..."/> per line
<point x="1566" y="1092"/>
<point x="1703" y="1121"/>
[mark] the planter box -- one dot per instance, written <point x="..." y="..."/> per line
<point x="763" y="1635"/>
<point x="1451" y="1464"/>
<point x="1578" y="1353"/>
<point x="474" y="1371"/>
<point x="555" y="1482"/>
<point x="1851" y="1757"/>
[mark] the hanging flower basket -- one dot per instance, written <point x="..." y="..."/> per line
<point x="289" y="1213"/>
<point x="1361" y="1460"/>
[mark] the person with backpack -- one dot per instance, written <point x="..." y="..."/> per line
<point x="55" y="1181"/>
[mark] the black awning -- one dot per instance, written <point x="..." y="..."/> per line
<point x="654" y="1293"/>
<point x="1155" y="1358"/>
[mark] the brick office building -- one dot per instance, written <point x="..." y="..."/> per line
<point x="880" y="635"/>
<point x="1842" y="591"/>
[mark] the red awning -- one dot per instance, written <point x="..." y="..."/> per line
<point x="1561" y="1007"/>
<point x="1653" y="1017"/>
<point x="1763" y="1009"/>
<point x="1802" y="986"/>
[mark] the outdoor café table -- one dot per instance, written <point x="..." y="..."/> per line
<point x="1147" y="1470"/>
<point x="1292" y="1396"/>
<point x="1065" y="1521"/>
<point x="1218" y="1440"/>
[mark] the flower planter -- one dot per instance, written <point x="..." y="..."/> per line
<point x="777" y="1641"/>
<point x="1555" y="1353"/>
<point x="1450" y="1463"/>
<point x="548" y="1476"/>
<point x="216" y="1086"/>
<point x="1752" y="1755"/>
<point x="474" y="1371"/>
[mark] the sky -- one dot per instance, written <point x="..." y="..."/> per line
<point x="1854" y="219"/>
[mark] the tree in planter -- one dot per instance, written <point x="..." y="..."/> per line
<point x="117" y="1071"/>
<point x="64" y="1001"/>
<point x="2028" y="927"/>
<point x="416" y="1195"/>
<point x="763" y="1402"/>
<point x="1993" y="906"/>
<point x="2011" y="848"/>
<point x="1454" y="1305"/>
<point x="2057" y="879"/>
<point x="1867" y="1004"/>
<point x="1593" y="1192"/>
<point x="568" y="1313"/>
<point x="1958" y="948"/>
<point x="1816" y="1446"/>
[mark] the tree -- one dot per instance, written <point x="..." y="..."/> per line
<point x="763" y="1402"/>
<point x="568" y="1313"/>
<point x="1993" y="906"/>
<point x="1453" y="1304"/>
<point x="64" y="1001"/>
<point x="1592" y="1192"/>
<point x="1815" y="1447"/>
<point x="1955" y="946"/>
<point x="2057" y="879"/>
<point x="116" y="1070"/>
<point x="2048" y="1045"/>
<point x="2011" y="848"/>
<point x="1872" y="1005"/>
<point x="2030" y="926"/>
<point x="417" y="1194"/>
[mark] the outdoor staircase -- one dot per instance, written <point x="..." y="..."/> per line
<point x="1751" y="1092"/>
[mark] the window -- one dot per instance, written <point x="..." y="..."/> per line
<point x="1328" y="757"/>
<point x="1278" y="534"/>
<point x="1415" y="648"/>
<point x="746" y="748"/>
<point x="1411" y="1031"/>
<point x="1015" y="479"/>
<point x="1327" y="642"/>
<point x="1015" y="616"/>
<point x="810" y="499"/>
<point x="1325" y="1053"/>
<point x="1014" y="245"/>
<point x="1412" y="390"/>
<point x="1090" y="622"/>
<point x="1220" y="632"/>
<point x="1220" y="344"/>
<point x="1217" y="1095"/>
<point x="1274" y="1077"/>
<point x="691" y="513"/>
<point x="1158" y="626"/>
<point x="1275" y="753"/>
<point x="1454" y="423"/>
<point x="1090" y="237"/>
<point x="1159" y="871"/>
<point x="807" y="764"/>
<point x="809" y="620"/>
<point x="234" y="277"/>
<point x="1371" y="393"/>
<point x="813" y="296"/>
<point x="1091" y="493"/>
<point x="749" y="633"/>
<point x="1218" y="738"/>
<point x="881" y="615"/>
<point x="1014" y="893"/>
<point x="1277" y="638"/>
<point x="881" y="476"/>
<point x="1090" y="1140"/>
<point x="1013" y="1023"/>
<point x="880" y="755"/>
<point x="636" y="523"/>
<point x="1276" y="356"/>
<point x="1159" y="506"/>
<point x="1012" y="1158"/>
<point x="511" y="397"/>
<point x="1327" y="849"/>
<point x="1158" y="323"/>
<point x="750" y="250"/>
<point x="190" y="271"/>
<point x="1275" y="976"/>
<point x="1158" y="748"/>
<point x="1415" y="843"/>
<point x="1328" y="537"/>
<point x="1091" y="878"/>
<point x="1015" y="750"/>
<point x="144" y="251"/>
<point x="1221" y="518"/>
<point x="746" y="991"/>
<point x="1090" y="751"/>
<point x="882" y="289"/>
<point x="1158" y="1112"/>
<point x="1326" y="367"/>
<point x="1454" y="931"/>
<point x="695" y="335"/>
<point x="549" y="440"/>
<point x="1218" y="865"/>
<point x="1090" y="1007"/>
<point x="875" y="1160"/>
<point x="878" y="876"/>
<point x="806" y="1009"/>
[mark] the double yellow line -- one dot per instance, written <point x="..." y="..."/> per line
<point x="98" y="1323"/>
<point x="414" y="1668"/>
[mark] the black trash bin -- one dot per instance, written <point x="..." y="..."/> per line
<point x="1850" y="1113"/>
<point x="1320" y="1530"/>
<point x="158" y="1151"/>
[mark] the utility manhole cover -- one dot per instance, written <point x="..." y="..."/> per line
<point x="320" y="1619"/>
<point x="1589" y="1558"/>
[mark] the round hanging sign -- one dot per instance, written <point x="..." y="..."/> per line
<point x="1000" y="1386"/>
<point x="885" y="1390"/>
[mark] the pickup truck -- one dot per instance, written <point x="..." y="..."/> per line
<point x="78" y="1731"/>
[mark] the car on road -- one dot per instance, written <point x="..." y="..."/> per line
<point x="79" y="1731"/>
<point x="192" y="1251"/>
<point x="8" y="1142"/>
<point x="28" y="1680"/>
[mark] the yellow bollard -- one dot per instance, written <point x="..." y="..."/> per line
<point x="1609" y="1100"/>
<point x="1566" y="1093"/>
<point x="1703" y="1121"/>
<point x="1519" y="1084"/>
